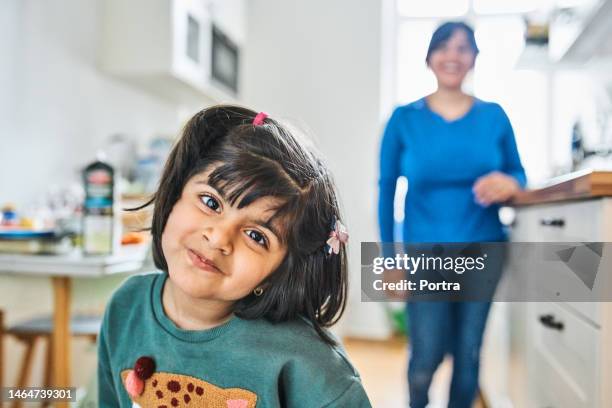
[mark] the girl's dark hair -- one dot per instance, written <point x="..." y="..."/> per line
<point x="446" y="31"/>
<point x="251" y="162"/>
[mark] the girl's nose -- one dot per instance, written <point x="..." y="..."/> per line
<point x="218" y="238"/>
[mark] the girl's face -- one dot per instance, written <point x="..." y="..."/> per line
<point x="218" y="252"/>
<point x="452" y="61"/>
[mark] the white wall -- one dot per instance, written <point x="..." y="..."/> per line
<point x="8" y="47"/>
<point x="56" y="109"/>
<point x="579" y="95"/>
<point x="317" y="63"/>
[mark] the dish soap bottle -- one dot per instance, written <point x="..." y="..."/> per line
<point x="99" y="229"/>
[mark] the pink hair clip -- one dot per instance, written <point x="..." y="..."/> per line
<point x="338" y="234"/>
<point x="259" y="119"/>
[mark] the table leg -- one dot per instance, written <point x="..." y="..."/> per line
<point x="1" y="353"/>
<point x="60" y="342"/>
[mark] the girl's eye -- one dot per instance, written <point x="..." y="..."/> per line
<point x="210" y="202"/>
<point x="257" y="237"/>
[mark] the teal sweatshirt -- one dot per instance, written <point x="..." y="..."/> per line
<point x="240" y="364"/>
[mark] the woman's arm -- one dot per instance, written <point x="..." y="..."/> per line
<point x="390" y="153"/>
<point x="512" y="162"/>
<point x="501" y="186"/>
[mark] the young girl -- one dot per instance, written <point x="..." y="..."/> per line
<point x="248" y="239"/>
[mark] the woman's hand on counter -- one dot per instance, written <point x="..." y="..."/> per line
<point x="495" y="187"/>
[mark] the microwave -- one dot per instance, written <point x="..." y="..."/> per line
<point x="225" y="59"/>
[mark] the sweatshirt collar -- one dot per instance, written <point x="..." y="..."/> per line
<point x="192" y="336"/>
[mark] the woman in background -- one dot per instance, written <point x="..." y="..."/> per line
<point x="460" y="158"/>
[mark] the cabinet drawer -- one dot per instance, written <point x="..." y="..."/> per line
<point x="579" y="221"/>
<point x="566" y="350"/>
<point x="552" y="388"/>
<point x="590" y="310"/>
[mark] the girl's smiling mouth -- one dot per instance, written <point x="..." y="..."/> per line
<point x="201" y="262"/>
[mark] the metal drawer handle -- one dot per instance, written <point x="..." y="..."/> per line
<point x="552" y="222"/>
<point x="549" y="321"/>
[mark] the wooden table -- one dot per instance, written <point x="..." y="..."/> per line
<point x="580" y="185"/>
<point x="61" y="269"/>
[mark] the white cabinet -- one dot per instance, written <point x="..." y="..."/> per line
<point x="552" y="354"/>
<point x="565" y="357"/>
<point x="230" y="17"/>
<point x="503" y="371"/>
<point x="496" y="357"/>
<point x="163" y="46"/>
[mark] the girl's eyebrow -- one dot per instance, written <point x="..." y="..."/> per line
<point x="262" y="223"/>
<point x="204" y="182"/>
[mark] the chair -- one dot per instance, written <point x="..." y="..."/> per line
<point x="31" y="332"/>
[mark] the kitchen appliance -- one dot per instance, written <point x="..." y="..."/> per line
<point x="225" y="60"/>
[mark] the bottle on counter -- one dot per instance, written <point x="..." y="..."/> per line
<point x="100" y="230"/>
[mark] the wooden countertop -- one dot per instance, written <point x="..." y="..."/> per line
<point x="574" y="186"/>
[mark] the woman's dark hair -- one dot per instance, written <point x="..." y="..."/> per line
<point x="250" y="162"/>
<point x="446" y="31"/>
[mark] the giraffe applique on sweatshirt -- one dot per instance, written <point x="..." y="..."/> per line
<point x="168" y="390"/>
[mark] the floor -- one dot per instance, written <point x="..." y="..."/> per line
<point x="382" y="365"/>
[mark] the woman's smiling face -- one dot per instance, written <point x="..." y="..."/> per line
<point x="452" y="60"/>
<point x="217" y="251"/>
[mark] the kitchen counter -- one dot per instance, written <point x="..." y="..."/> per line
<point x="75" y="264"/>
<point x="574" y="186"/>
<point x="527" y="362"/>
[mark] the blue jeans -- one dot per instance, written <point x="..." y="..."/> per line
<point x="437" y="328"/>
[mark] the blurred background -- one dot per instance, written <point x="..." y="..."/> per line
<point x="81" y="79"/>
